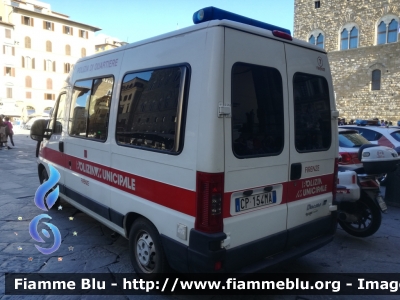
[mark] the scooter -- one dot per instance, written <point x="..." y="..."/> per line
<point x="360" y="204"/>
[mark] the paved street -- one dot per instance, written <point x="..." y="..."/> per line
<point x="95" y="249"/>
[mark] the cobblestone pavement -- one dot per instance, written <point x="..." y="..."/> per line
<point x="95" y="250"/>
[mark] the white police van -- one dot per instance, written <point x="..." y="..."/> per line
<point x="212" y="148"/>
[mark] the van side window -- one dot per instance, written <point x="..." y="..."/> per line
<point x="152" y="117"/>
<point x="90" y="108"/>
<point x="312" y="114"/>
<point x="257" y="111"/>
<point x="57" y="120"/>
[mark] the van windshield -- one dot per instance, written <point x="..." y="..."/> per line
<point x="257" y="111"/>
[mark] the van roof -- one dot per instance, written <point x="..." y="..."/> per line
<point x="213" y="23"/>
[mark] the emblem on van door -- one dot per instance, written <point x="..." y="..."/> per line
<point x="320" y="63"/>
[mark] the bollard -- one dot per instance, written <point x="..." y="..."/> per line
<point x="392" y="193"/>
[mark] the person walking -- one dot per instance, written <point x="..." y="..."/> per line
<point x="11" y="132"/>
<point x="4" y="132"/>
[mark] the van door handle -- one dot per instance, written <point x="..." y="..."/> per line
<point x="61" y="146"/>
<point x="295" y="171"/>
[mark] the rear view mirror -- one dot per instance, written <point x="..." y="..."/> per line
<point x="39" y="130"/>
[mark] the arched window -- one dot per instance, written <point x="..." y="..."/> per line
<point x="382" y="33"/>
<point x="67" y="50"/>
<point x="376" y="80"/>
<point x="48" y="46"/>
<point x="28" y="62"/>
<point x="28" y="82"/>
<point x="387" y="30"/>
<point x="320" y="41"/>
<point x="349" y="38"/>
<point x="83" y="52"/>
<point x="48" y="65"/>
<point x="354" y="38"/>
<point x="28" y="42"/>
<point x="392" y="31"/>
<point x="49" y="84"/>
<point x="67" y="68"/>
<point x="317" y="38"/>
<point x="344" y="38"/>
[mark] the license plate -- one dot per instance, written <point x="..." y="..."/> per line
<point x="253" y="201"/>
<point x="382" y="203"/>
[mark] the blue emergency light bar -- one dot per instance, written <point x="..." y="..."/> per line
<point x="361" y="122"/>
<point x="213" y="13"/>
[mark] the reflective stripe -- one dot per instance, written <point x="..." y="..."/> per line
<point x="173" y="197"/>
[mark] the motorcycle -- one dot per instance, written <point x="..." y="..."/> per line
<point x="358" y="199"/>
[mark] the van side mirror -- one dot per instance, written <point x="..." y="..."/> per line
<point x="39" y="130"/>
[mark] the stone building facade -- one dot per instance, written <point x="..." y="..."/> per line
<point x="362" y="41"/>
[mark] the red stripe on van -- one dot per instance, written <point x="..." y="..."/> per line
<point x="308" y="187"/>
<point x="292" y="191"/>
<point x="173" y="197"/>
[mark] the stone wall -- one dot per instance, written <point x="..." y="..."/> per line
<point x="351" y="69"/>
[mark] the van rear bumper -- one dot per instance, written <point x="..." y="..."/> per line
<point x="204" y="249"/>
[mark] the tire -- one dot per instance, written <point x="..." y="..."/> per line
<point x="146" y="251"/>
<point x="369" y="220"/>
<point x="44" y="177"/>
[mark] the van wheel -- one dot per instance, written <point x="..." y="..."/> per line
<point x="43" y="178"/>
<point x="146" y="251"/>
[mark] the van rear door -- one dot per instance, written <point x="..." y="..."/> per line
<point x="313" y="143"/>
<point x="256" y="144"/>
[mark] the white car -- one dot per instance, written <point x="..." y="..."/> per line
<point x="383" y="136"/>
<point x="29" y="124"/>
<point x="350" y="142"/>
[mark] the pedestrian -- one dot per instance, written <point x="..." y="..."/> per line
<point x="11" y="132"/>
<point x="382" y="122"/>
<point x="4" y="132"/>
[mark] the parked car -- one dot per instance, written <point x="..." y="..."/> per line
<point x="383" y="136"/>
<point x="350" y="142"/>
<point x="28" y="124"/>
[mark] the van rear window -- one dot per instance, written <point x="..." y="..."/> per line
<point x="312" y="113"/>
<point x="257" y="111"/>
<point x="150" y="111"/>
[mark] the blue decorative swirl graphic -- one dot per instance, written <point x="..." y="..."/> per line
<point x="35" y="235"/>
<point x="47" y="186"/>
<point x="40" y="203"/>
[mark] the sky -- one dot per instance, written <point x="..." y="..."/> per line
<point x="131" y="20"/>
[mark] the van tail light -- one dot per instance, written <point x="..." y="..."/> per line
<point x="210" y="190"/>
<point x="349" y="158"/>
<point x="282" y="35"/>
<point x="335" y="179"/>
